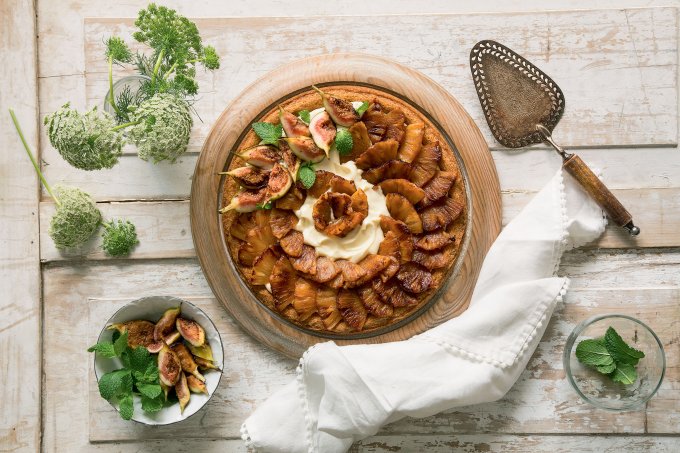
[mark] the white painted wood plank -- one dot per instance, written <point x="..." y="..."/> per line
<point x="19" y="264"/>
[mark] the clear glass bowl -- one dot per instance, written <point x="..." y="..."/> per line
<point x="133" y="82"/>
<point x="600" y="390"/>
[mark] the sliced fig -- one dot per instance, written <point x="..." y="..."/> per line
<point x="140" y="332"/>
<point x="155" y="347"/>
<point x="279" y="183"/>
<point x="378" y="154"/>
<point x="196" y="385"/>
<point x="171" y="338"/>
<point x="292" y="125"/>
<point x="191" y="331"/>
<point x="204" y="352"/>
<point x="289" y="160"/>
<point x="246" y="201"/>
<point x="360" y="142"/>
<point x="394" y="169"/>
<point x="262" y="156"/>
<point x="165" y="389"/>
<point x="186" y="360"/>
<point x="305" y="149"/>
<point x="166" y="324"/>
<point x="182" y="391"/>
<point x="204" y="364"/>
<point x="169" y="366"/>
<point x="249" y="177"/>
<point x="323" y="131"/>
<point x="342" y="112"/>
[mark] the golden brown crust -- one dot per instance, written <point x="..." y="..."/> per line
<point x="310" y="100"/>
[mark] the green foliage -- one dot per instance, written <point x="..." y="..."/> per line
<point x="210" y="58"/>
<point x="127" y="100"/>
<point x="307" y="176"/>
<point x="76" y="219"/>
<point x="268" y="132"/>
<point x="610" y="355"/>
<point x="305" y="116"/>
<point x="164" y="128"/>
<point x="362" y="108"/>
<point x="119" y="238"/>
<point x="139" y="376"/>
<point x="266" y="206"/>
<point x="343" y="142"/>
<point x="117" y="50"/>
<point x="88" y="141"/>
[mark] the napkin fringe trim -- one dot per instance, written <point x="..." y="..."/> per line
<point x="302" y="394"/>
<point x="247" y="440"/>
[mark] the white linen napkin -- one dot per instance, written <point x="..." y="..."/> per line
<point x="345" y="394"/>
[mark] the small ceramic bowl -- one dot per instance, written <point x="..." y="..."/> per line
<point x="600" y="390"/>
<point x="152" y="308"/>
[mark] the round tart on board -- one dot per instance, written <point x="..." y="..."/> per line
<point x="385" y="242"/>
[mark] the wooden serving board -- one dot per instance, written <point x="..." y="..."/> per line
<point x="482" y="184"/>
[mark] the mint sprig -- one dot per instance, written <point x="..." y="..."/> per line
<point x="344" y="142"/>
<point x="307" y="176"/>
<point x="269" y="133"/>
<point x="305" y="116"/>
<point x="610" y="355"/>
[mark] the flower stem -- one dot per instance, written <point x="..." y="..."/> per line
<point x="30" y="156"/>
<point x="123" y="126"/>
<point x="111" y="98"/>
<point x="157" y="66"/>
<point x="167" y="74"/>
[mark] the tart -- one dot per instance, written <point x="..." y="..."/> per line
<point x="343" y="209"/>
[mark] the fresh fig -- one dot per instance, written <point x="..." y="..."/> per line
<point x="155" y="347"/>
<point x="246" y="201"/>
<point x="172" y="337"/>
<point x="187" y="360"/>
<point x="166" y="324"/>
<point x="305" y="149"/>
<point x="204" y="364"/>
<point x="279" y="183"/>
<point x="323" y="131"/>
<point x="204" y="352"/>
<point x="140" y="333"/>
<point x="341" y="111"/>
<point x="262" y="156"/>
<point x="292" y="125"/>
<point x="249" y="177"/>
<point x="182" y="391"/>
<point x="169" y="366"/>
<point x="289" y="160"/>
<point x="191" y="331"/>
<point x="165" y="389"/>
<point x="196" y="386"/>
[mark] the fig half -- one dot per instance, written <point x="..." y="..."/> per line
<point x="262" y="156"/>
<point x="140" y="333"/>
<point x="341" y="111"/>
<point x="186" y="360"/>
<point x="204" y="352"/>
<point x="204" y="364"/>
<point x="166" y="324"/>
<point x="323" y="131"/>
<point x="246" y="201"/>
<point x="196" y="386"/>
<point x="292" y="125"/>
<point x="305" y="149"/>
<point x="249" y="177"/>
<point x="279" y="183"/>
<point x="182" y="391"/>
<point x="169" y="367"/>
<point x="191" y="331"/>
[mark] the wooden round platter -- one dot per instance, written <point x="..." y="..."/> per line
<point x="475" y="161"/>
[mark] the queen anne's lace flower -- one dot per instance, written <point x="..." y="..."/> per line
<point x="76" y="219"/>
<point x="119" y="238"/>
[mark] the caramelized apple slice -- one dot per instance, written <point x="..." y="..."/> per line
<point x="341" y="111"/>
<point x="413" y="141"/>
<point x="413" y="278"/>
<point x="240" y="227"/>
<point x="305" y="149"/>
<point x="351" y="309"/>
<point x="326" y="303"/>
<point x="262" y="267"/>
<point x="437" y="259"/>
<point x="403" y="187"/>
<point x="360" y="202"/>
<point x="249" y="177"/>
<point x="262" y="156"/>
<point x="373" y="303"/>
<point x="292" y="243"/>
<point x="394" y="169"/>
<point x="292" y="125"/>
<point x="282" y="280"/>
<point x="351" y="272"/>
<point x="360" y="142"/>
<point x="306" y="262"/>
<point x="292" y="200"/>
<point x="389" y="245"/>
<point x="400" y="208"/>
<point x="257" y="241"/>
<point x="279" y="183"/>
<point x="323" y="131"/>
<point x="281" y="222"/>
<point x="426" y="164"/>
<point x="440" y="215"/>
<point x="246" y="201"/>
<point x="437" y="188"/>
<point x="378" y="154"/>
<point x="435" y="241"/>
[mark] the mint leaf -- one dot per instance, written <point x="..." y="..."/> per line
<point x="625" y="374"/>
<point x="307" y="176"/>
<point x="139" y="359"/>
<point x="362" y="108"/>
<point x="606" y="369"/>
<point x="267" y="205"/>
<point x="149" y="375"/>
<point x="149" y="390"/>
<point x="126" y="407"/>
<point x="594" y="353"/>
<point x="344" y="142"/>
<point x="105" y="349"/>
<point x="114" y="383"/>
<point x="120" y="344"/>
<point x="304" y="116"/>
<point x="151" y="404"/>
<point x="619" y="350"/>
<point x="268" y="132"/>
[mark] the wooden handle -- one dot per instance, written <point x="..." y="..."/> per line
<point x="603" y="196"/>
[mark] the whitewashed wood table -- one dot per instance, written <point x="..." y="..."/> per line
<point x="618" y="68"/>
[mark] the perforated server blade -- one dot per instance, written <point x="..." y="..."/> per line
<point x="522" y="106"/>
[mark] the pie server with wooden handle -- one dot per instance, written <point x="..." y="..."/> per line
<point x="522" y="106"/>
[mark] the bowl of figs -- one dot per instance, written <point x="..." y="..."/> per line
<point x="158" y="360"/>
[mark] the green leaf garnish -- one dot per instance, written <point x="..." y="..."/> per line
<point x="307" y="176"/>
<point x="126" y="407"/>
<point x="624" y="373"/>
<point x="114" y="383"/>
<point x="149" y="390"/>
<point x="362" y="109"/>
<point x="620" y="351"/>
<point x="152" y="404"/>
<point x="104" y="349"/>
<point x="304" y="116"/>
<point x="344" y="142"/>
<point x="610" y="355"/>
<point x="267" y="205"/>
<point x="120" y="344"/>
<point x="594" y="353"/>
<point x="269" y="133"/>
